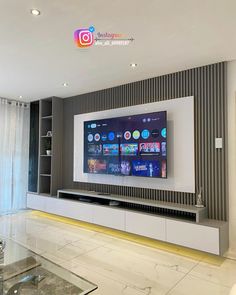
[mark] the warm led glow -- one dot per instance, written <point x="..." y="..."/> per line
<point x="35" y="12"/>
<point x="133" y="65"/>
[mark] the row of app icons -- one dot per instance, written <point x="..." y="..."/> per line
<point x="127" y="149"/>
<point x="127" y="135"/>
<point x="128" y="168"/>
<point x="95" y="125"/>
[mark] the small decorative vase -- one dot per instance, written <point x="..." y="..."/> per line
<point x="48" y="152"/>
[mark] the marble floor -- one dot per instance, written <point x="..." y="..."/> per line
<point x="119" y="266"/>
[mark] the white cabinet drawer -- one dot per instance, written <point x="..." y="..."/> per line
<point x="145" y="225"/>
<point x="35" y="202"/>
<point x="69" y="209"/>
<point x="109" y="217"/>
<point x="194" y="236"/>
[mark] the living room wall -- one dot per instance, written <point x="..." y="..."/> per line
<point x="208" y="86"/>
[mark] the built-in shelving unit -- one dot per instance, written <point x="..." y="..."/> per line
<point x="45" y="147"/>
<point x="46" y="177"/>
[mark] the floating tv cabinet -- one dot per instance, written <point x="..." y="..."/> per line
<point x="174" y="223"/>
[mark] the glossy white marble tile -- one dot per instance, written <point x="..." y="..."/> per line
<point x="162" y="258"/>
<point x="102" y="239"/>
<point x="231" y="254"/>
<point x="116" y="265"/>
<point x="223" y="274"/>
<point x="195" y="286"/>
<point x="106" y="286"/>
<point x="129" y="270"/>
<point x="87" y="244"/>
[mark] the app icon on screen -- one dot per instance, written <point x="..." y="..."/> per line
<point x="111" y="135"/>
<point x="127" y="135"/>
<point x="119" y="135"/>
<point x="145" y="134"/>
<point x="104" y="137"/>
<point x="136" y="134"/>
<point x="155" y="133"/>
<point x="90" y="137"/>
<point x="163" y="132"/>
<point x="97" y="137"/>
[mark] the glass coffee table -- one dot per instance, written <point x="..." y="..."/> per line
<point x="22" y="272"/>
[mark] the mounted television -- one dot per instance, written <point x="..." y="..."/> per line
<point x="127" y="146"/>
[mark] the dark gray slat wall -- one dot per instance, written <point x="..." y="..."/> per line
<point x="208" y="85"/>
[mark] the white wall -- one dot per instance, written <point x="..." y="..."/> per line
<point x="232" y="155"/>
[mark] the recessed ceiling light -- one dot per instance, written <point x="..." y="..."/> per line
<point x="65" y="84"/>
<point x="20" y="96"/>
<point x="35" y="12"/>
<point x="133" y="65"/>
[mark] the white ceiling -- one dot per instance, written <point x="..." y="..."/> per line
<point x="38" y="54"/>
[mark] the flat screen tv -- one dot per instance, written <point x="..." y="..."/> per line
<point x="127" y="146"/>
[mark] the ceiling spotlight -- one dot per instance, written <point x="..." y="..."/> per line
<point x="20" y="96"/>
<point x="65" y="84"/>
<point x="133" y="65"/>
<point x="35" y="12"/>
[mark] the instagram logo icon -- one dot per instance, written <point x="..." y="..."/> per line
<point x="84" y="37"/>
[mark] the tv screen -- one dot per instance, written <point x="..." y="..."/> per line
<point x="127" y="146"/>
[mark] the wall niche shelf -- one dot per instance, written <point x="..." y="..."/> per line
<point x="48" y="173"/>
<point x="47" y="118"/>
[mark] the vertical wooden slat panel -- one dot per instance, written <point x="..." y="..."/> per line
<point x="208" y="86"/>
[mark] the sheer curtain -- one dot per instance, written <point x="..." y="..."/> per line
<point x="14" y="154"/>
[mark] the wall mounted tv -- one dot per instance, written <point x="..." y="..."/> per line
<point x="127" y="146"/>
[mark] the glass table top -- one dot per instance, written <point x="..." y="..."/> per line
<point x="23" y="272"/>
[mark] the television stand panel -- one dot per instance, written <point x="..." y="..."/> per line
<point x="169" y="222"/>
<point x="169" y="209"/>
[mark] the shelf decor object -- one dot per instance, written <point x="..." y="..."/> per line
<point x="199" y="199"/>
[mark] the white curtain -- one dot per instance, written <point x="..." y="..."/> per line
<point x="14" y="154"/>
